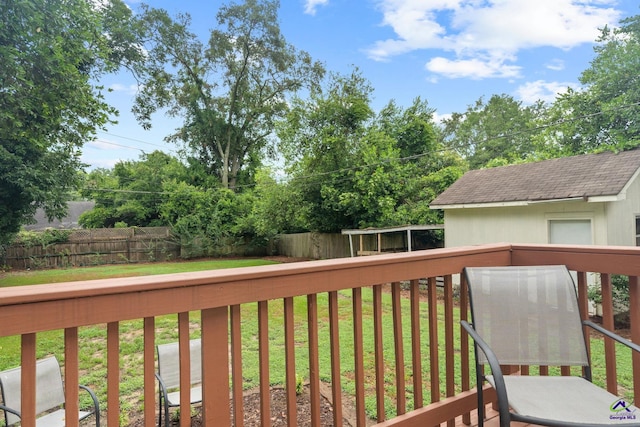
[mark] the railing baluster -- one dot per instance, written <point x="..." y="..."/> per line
<point x="236" y="366"/>
<point x="378" y="352"/>
<point x="416" y="352"/>
<point x="465" y="370"/>
<point x="290" y="363"/>
<point x="185" y="369"/>
<point x="263" y="352"/>
<point x="336" y="382"/>
<point x="71" y="372"/>
<point x="358" y="353"/>
<point x="398" y="342"/>
<point x="314" y="364"/>
<point x="607" y="322"/>
<point x="113" y="373"/>
<point x="215" y="367"/>
<point x="434" y="369"/>
<point x="150" y="403"/>
<point x="28" y="380"/>
<point x="448" y="336"/>
<point x="634" y="320"/>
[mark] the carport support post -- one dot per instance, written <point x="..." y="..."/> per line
<point x="351" y="244"/>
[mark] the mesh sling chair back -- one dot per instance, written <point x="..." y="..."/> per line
<point x="49" y="395"/>
<point x="529" y="316"/>
<point x="168" y="376"/>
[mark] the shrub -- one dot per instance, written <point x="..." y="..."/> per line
<point x="47" y="237"/>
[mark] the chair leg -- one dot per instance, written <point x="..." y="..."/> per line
<point x="479" y="381"/>
<point x="166" y="414"/>
<point x="160" y="409"/>
<point x="480" y="409"/>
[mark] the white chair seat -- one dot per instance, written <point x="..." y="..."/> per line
<point x="565" y="399"/>
<point x="57" y="419"/>
<point x="196" y="396"/>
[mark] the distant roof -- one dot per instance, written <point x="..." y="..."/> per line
<point x="74" y="209"/>
<point x="592" y="177"/>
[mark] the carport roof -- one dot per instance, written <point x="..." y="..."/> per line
<point x="590" y="177"/>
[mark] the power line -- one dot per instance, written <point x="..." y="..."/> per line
<point x="407" y="158"/>
<point x="114" y="190"/>
<point x="420" y="155"/>
<point x="132" y="139"/>
<point x="102" y="141"/>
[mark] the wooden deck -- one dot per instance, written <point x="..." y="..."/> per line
<point x="340" y="308"/>
<point x="492" y="420"/>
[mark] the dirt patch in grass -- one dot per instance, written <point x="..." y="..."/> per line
<point x="278" y="416"/>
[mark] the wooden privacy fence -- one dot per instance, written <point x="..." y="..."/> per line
<point x="97" y="246"/>
<point x="332" y="245"/>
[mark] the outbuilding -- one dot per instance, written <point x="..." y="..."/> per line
<point x="586" y="199"/>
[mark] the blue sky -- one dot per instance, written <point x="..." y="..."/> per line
<point x="449" y="52"/>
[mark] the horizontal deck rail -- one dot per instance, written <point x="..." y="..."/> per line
<point x="406" y="298"/>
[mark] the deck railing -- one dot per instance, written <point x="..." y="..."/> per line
<point x="406" y="299"/>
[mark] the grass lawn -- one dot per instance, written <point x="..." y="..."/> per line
<point x="37" y="277"/>
<point x="93" y="338"/>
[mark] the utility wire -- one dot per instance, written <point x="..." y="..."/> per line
<point x="132" y="139"/>
<point x="407" y="158"/>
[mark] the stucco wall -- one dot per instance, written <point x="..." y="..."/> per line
<point x="519" y="224"/>
<point x="621" y="216"/>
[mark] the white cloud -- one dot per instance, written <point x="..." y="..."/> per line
<point x="312" y="5"/>
<point x="556" y="65"/>
<point x="475" y="68"/>
<point x="531" y="92"/>
<point x="438" y="118"/>
<point x="130" y="89"/>
<point x="489" y="31"/>
<point x="99" y="4"/>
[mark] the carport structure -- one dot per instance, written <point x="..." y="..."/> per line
<point x="408" y="229"/>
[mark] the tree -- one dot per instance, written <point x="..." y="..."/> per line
<point x="52" y="53"/>
<point x="353" y="169"/>
<point x="319" y="138"/>
<point x="229" y="91"/>
<point x="207" y="220"/>
<point x="400" y="168"/>
<point x="131" y="194"/>
<point x="277" y="207"/>
<point x="605" y="114"/>
<point x="498" y="129"/>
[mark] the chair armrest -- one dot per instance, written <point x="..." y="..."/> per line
<point x="11" y="411"/>
<point x="163" y="388"/>
<point x="496" y="370"/>
<point x="96" y="403"/>
<point x="612" y="335"/>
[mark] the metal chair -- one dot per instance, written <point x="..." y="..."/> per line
<point x="168" y="376"/>
<point x="529" y="316"/>
<point x="49" y="395"/>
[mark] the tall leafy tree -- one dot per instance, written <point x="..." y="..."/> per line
<point x="277" y="208"/>
<point x="319" y="139"/>
<point x="352" y="168"/>
<point x="605" y="114"/>
<point x="400" y="167"/>
<point x="53" y="52"/>
<point x="500" y="128"/>
<point x="230" y="90"/>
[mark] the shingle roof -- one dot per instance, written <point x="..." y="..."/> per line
<point x="74" y="209"/>
<point x="589" y="175"/>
